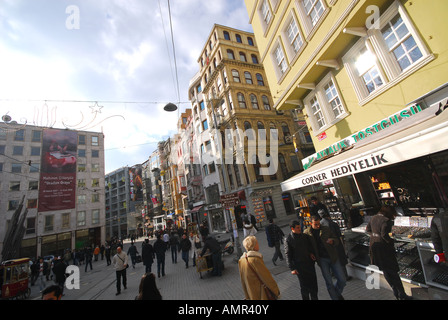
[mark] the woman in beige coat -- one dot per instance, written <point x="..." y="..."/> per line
<point x="252" y="287"/>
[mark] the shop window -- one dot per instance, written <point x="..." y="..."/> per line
<point x="287" y="202"/>
<point x="269" y="208"/>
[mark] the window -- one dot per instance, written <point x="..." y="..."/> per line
<point x="224" y="75"/>
<point x="35" y="151"/>
<point x="95" y="153"/>
<point x="248" y="77"/>
<point x="311" y="13"/>
<point x="205" y="169"/>
<point x="236" y="76"/>
<point x="3" y="135"/>
<point x="36" y="136"/>
<point x="95" y="141"/>
<point x="95" y="167"/>
<point x="49" y="223"/>
<point x="65" y="220"/>
<point x="243" y="57"/>
<point x="81" y="218"/>
<point x="30" y="226"/>
<point x="17" y="150"/>
<point x="280" y="61"/>
<point x="14" y="186"/>
<point x="199" y="89"/>
<point x="31" y="203"/>
<point x="2" y="149"/>
<point x="95" y="182"/>
<point x="230" y="54"/>
<point x="13" y="204"/>
<point x="204" y="125"/>
<point x="81" y="199"/>
<point x="16" y="168"/>
<point x="238" y="38"/>
<point x="254" y="59"/>
<point x="202" y="105"/>
<point x="33" y="185"/>
<point x="219" y="83"/>
<point x="260" y="80"/>
<point x="95" y="197"/>
<point x="241" y="100"/>
<point x="211" y="167"/>
<point x="34" y="168"/>
<point x="254" y="101"/>
<point x="295" y="40"/>
<point x="81" y="152"/>
<point x="95" y="216"/>
<point x="226" y="35"/>
<point x="387" y="55"/>
<point x="266" y="12"/>
<point x="81" y="183"/>
<point x="266" y="103"/>
<point x="81" y="167"/>
<point x="250" y="41"/>
<point x="19" y="135"/>
<point x="324" y="104"/>
<point x="81" y="139"/>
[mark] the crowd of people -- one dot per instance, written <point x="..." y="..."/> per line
<point x="318" y="244"/>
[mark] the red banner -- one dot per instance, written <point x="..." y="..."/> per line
<point x="57" y="188"/>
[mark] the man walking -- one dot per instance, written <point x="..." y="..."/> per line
<point x="274" y="236"/>
<point x="185" y="246"/>
<point x="214" y="247"/>
<point x="120" y="262"/>
<point x="300" y="260"/>
<point x="160" y="249"/>
<point x="325" y="248"/>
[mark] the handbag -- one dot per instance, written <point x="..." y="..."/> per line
<point x="271" y="295"/>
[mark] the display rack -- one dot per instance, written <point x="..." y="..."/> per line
<point x="336" y="213"/>
<point x="383" y="190"/>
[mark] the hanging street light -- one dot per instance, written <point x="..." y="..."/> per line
<point x="170" y="107"/>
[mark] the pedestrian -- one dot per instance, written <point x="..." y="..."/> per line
<point x="185" y="247"/>
<point x="102" y="249"/>
<point x="382" y="250"/>
<point x="75" y="255"/>
<point x="334" y="227"/>
<point x="88" y="255"/>
<point x="325" y="243"/>
<point x="148" y="255"/>
<point x="132" y="252"/>
<point x="315" y="206"/>
<point x="275" y="237"/>
<point x="59" y="273"/>
<point x="301" y="260"/>
<point x="107" y="252"/>
<point x="43" y="271"/>
<point x="166" y="238"/>
<point x="96" y="252"/>
<point x="120" y="262"/>
<point x="195" y="244"/>
<point x="255" y="277"/>
<point x="214" y="248"/>
<point x="34" y="271"/>
<point x="252" y="220"/>
<point x="248" y="228"/>
<point x="160" y="248"/>
<point x="52" y="293"/>
<point x="148" y="289"/>
<point x="174" y="244"/>
<point x="203" y="230"/>
<point x="67" y="257"/>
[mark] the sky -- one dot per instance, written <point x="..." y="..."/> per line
<point x="106" y="65"/>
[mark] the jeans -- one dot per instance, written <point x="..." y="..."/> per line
<point x="216" y="258"/>
<point x="148" y="268"/>
<point x="41" y="279"/>
<point x="121" y="274"/>
<point x="88" y="261"/>
<point x="161" y="264"/>
<point x="335" y="290"/>
<point x="277" y="253"/>
<point x="174" y="253"/>
<point x="185" y="257"/>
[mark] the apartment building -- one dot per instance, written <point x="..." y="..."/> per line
<point x="59" y="174"/>
<point x="231" y="92"/>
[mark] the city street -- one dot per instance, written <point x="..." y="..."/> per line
<point x="185" y="284"/>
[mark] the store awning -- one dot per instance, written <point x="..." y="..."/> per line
<point x="428" y="136"/>
<point x="196" y="209"/>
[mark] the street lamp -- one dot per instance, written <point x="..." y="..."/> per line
<point x="170" y="107"/>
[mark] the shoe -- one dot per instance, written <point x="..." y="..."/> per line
<point x="117" y="293"/>
<point x="273" y="261"/>
<point x="125" y="287"/>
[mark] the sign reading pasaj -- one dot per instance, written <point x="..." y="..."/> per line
<point x="57" y="187"/>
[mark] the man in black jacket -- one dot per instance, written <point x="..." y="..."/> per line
<point x="160" y="249"/>
<point x="215" y="249"/>
<point x="274" y="236"/>
<point x="185" y="246"/>
<point x="300" y="259"/>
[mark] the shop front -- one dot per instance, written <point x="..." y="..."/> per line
<point x="404" y="165"/>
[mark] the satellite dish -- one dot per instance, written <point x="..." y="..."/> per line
<point x="6" y="118"/>
<point x="170" y="107"/>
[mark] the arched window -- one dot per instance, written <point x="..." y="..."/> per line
<point x="247" y="125"/>
<point x="266" y="104"/>
<point x="274" y="132"/>
<point x="230" y="54"/>
<point x="248" y="77"/>
<point x="260" y="80"/>
<point x="250" y="41"/>
<point x="261" y="134"/>
<point x="254" y="101"/>
<point x="226" y="35"/>
<point x="241" y="100"/>
<point x="238" y="38"/>
<point x="243" y="57"/>
<point x="236" y="75"/>
<point x="254" y="59"/>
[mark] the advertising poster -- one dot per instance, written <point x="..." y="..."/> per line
<point x="57" y="187"/>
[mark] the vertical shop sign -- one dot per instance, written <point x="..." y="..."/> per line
<point x="258" y="209"/>
<point x="57" y="186"/>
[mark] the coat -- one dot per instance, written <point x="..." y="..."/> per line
<point x="252" y="287"/>
<point x="148" y="254"/>
<point x="274" y="234"/>
<point x="382" y="250"/>
<point x="325" y="234"/>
